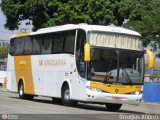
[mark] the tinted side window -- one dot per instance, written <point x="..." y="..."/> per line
<point x="18" y="46"/>
<point x="27" y="41"/>
<point x="21" y="46"/>
<point x="12" y="47"/>
<point x="69" y="42"/>
<point x="58" y="39"/>
<point x="81" y="40"/>
<point x="59" y="42"/>
<point x="63" y="42"/>
<point x="37" y="44"/>
<point x="47" y="44"/>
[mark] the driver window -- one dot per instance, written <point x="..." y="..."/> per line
<point x="81" y="40"/>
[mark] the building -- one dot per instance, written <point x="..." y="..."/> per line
<point x="3" y="60"/>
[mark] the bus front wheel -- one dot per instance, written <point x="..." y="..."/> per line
<point x="66" y="97"/>
<point x="113" y="107"/>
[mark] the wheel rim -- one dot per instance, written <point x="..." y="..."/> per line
<point x="67" y="95"/>
<point x="21" y="90"/>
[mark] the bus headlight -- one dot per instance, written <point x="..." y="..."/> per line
<point x="94" y="89"/>
<point x="136" y="93"/>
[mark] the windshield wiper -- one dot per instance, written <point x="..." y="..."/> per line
<point x="118" y="53"/>
<point x="126" y="75"/>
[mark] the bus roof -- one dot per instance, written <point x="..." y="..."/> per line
<point x="86" y="27"/>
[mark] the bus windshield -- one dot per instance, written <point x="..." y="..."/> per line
<point x="116" y="66"/>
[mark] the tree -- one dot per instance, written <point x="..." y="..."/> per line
<point x="149" y="24"/>
<point x="46" y="13"/>
<point x="139" y="15"/>
<point x="19" y="10"/>
<point x="3" y="51"/>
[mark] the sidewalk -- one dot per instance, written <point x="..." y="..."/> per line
<point x="151" y="103"/>
<point x="3" y="89"/>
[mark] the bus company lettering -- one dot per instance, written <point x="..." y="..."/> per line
<point x="54" y="62"/>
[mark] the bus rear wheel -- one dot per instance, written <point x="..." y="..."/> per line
<point x="21" y="93"/>
<point x="66" y="97"/>
<point x="113" y="107"/>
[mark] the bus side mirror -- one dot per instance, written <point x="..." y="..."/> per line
<point x="151" y="58"/>
<point x="87" y="55"/>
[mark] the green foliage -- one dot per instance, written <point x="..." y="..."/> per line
<point x="74" y="11"/>
<point x="146" y="66"/>
<point x="149" y="23"/>
<point x="3" y="51"/>
<point x="44" y="13"/>
<point x="141" y="15"/>
<point x="19" y="10"/>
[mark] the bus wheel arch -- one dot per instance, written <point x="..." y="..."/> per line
<point x="65" y="95"/>
<point x="21" y="89"/>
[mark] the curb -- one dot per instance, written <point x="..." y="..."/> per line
<point x="151" y="103"/>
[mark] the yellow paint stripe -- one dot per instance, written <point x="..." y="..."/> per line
<point x="110" y="88"/>
<point x="23" y="70"/>
<point x="22" y="34"/>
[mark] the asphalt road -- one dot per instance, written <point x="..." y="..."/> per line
<point x="44" y="108"/>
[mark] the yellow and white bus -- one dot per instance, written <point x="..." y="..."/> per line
<point x="78" y="63"/>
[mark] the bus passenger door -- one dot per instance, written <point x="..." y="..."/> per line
<point x="79" y="82"/>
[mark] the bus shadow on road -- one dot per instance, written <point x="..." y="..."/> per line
<point x="85" y="106"/>
<point x="103" y="108"/>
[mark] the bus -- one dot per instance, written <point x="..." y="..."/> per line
<point x="78" y="63"/>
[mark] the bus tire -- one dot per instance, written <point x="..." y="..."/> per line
<point x="21" y="90"/>
<point x="57" y="100"/>
<point x="21" y="93"/>
<point x="66" y="97"/>
<point x="113" y="107"/>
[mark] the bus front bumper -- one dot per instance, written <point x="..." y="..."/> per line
<point x="102" y="97"/>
